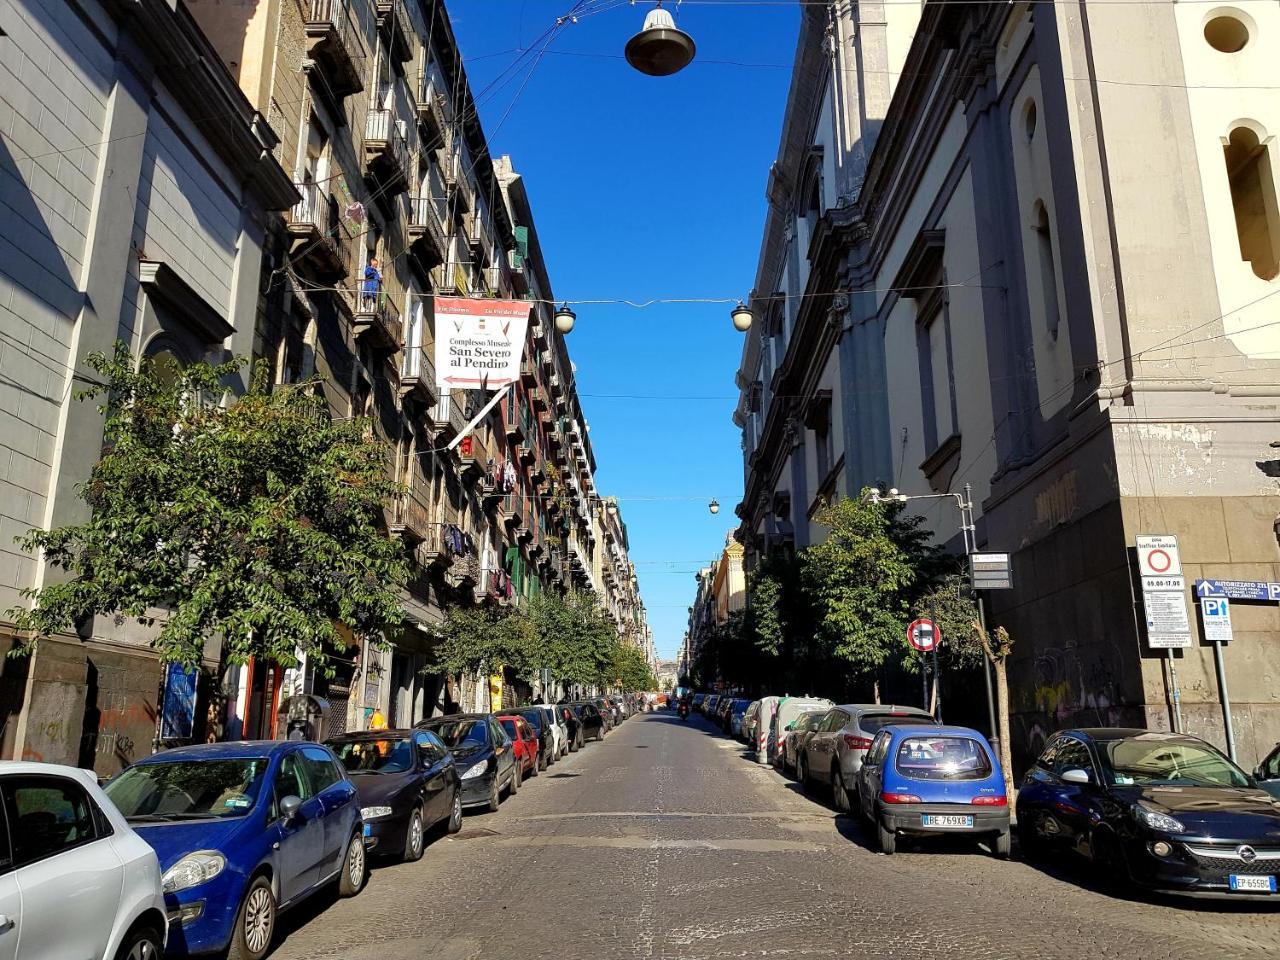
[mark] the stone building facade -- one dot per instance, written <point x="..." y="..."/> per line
<point x="1030" y="248"/>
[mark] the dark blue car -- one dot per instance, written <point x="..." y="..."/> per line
<point x="919" y="779"/>
<point x="243" y="831"/>
<point x="483" y="754"/>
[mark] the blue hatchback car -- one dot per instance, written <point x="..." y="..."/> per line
<point x="243" y="831"/>
<point x="919" y="779"/>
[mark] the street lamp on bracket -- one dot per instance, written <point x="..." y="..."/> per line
<point x="660" y="48"/>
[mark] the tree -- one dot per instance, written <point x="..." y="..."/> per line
<point x="254" y="519"/>
<point x="997" y="646"/>
<point x="629" y="668"/>
<point x="476" y="639"/>
<point x="949" y="604"/>
<point x="573" y="636"/>
<point x="863" y="578"/>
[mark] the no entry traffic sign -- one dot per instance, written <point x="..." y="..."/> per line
<point x="923" y="634"/>
<point x="1158" y="557"/>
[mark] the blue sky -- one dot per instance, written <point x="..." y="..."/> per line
<point x="646" y="188"/>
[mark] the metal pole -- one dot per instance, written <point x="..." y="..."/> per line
<point x="986" y="673"/>
<point x="1226" y="700"/>
<point x="484" y="412"/>
<point x="1176" y="693"/>
<point x="937" y="687"/>
<point x="924" y="681"/>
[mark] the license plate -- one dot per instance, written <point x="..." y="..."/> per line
<point x="1253" y="884"/>
<point x="947" y="820"/>
<point x="368" y="829"/>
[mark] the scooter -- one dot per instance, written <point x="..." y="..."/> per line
<point x="684" y="711"/>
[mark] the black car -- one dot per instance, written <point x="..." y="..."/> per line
<point x="483" y="753"/>
<point x="591" y="719"/>
<point x="1166" y="811"/>
<point x="546" y="740"/>
<point x="576" y="735"/>
<point x="406" y="782"/>
<point x="606" y="712"/>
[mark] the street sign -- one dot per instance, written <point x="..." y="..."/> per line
<point x="1168" y="626"/>
<point x="1215" y="615"/>
<point x="479" y="342"/>
<point x="990" y="571"/>
<point x="1158" y="556"/>
<point x="923" y="634"/>
<point x="1263" y="590"/>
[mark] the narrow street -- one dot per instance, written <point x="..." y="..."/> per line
<point x="666" y="841"/>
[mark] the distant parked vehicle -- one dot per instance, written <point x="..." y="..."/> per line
<point x="1165" y="811"/>
<point x="606" y="712"/>
<point x="833" y="754"/>
<point x="798" y="733"/>
<point x="709" y="704"/>
<point x="696" y="703"/>
<point x="1268" y="773"/>
<point x="77" y="881"/>
<point x="484" y="756"/>
<point x="750" y="717"/>
<point x="524" y="739"/>
<point x="918" y="780"/>
<point x="541" y="719"/>
<point x="591" y="719"/>
<point x="572" y="726"/>
<point x="789" y="709"/>
<point x="760" y="729"/>
<point x="736" y="714"/>
<point x="407" y="783"/>
<point x="722" y="712"/>
<point x="243" y="831"/>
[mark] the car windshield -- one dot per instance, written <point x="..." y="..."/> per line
<point x="943" y="758"/>
<point x="460" y="736"/>
<point x="188" y="789"/>
<point x="1176" y="763"/>
<point x="535" y="719"/>
<point x="375" y="756"/>
<point x="871" y="723"/>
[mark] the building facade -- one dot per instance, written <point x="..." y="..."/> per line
<point x="1028" y="249"/>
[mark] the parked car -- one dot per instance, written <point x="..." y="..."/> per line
<point x="923" y="779"/>
<point x="407" y="783"/>
<point x="709" y="705"/>
<point x="67" y="847"/>
<point x="591" y="719"/>
<point x="750" y="716"/>
<point x="797" y="736"/>
<point x="544" y="726"/>
<point x="833" y="755"/>
<point x="1268" y="773"/>
<point x="1165" y="811"/>
<point x="606" y="712"/>
<point x="484" y="756"/>
<point x="736" y="715"/>
<point x="524" y="739"/>
<point x="696" y="703"/>
<point x="573" y="727"/>
<point x="789" y="709"/>
<point x="722" y="712"/>
<point x="243" y="831"/>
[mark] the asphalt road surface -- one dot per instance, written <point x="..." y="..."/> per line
<point x="665" y="841"/>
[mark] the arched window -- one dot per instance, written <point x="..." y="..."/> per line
<point x="1253" y="198"/>
<point x="1048" y="271"/>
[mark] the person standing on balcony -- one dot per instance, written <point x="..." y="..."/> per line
<point x="371" y="286"/>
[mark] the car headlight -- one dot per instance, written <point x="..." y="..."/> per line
<point x="475" y="770"/>
<point x="193" y="870"/>
<point x="373" y="813"/>
<point x="1157" y="820"/>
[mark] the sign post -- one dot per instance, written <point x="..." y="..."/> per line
<point x="1215" y="620"/>
<point x="924" y="636"/>
<point x="1165" y="605"/>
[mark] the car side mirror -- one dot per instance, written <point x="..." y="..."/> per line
<point x="289" y="807"/>
<point x="1077" y="776"/>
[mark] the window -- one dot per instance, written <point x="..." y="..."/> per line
<point x="47" y="816"/>
<point x="1226" y="33"/>
<point x="1048" y="271"/>
<point x="188" y="789"/>
<point x="1270" y="768"/>
<point x="879" y="748"/>
<point x="1071" y="754"/>
<point x="1253" y="197"/>
<point x="943" y="758"/>
<point x="291" y="780"/>
<point x="819" y="421"/>
<point x="321" y="769"/>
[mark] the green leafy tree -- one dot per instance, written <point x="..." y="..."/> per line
<point x="478" y="639"/>
<point x="254" y="519"/>
<point x="629" y="668"/>
<point x="862" y="581"/>
<point x="573" y="636"/>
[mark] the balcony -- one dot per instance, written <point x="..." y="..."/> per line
<point x="418" y="374"/>
<point x="514" y="422"/>
<point x="320" y="240"/>
<point x="333" y="42"/>
<point x="376" y="320"/>
<point x="427" y="242"/>
<point x="447" y="416"/>
<point x="513" y="510"/>
<point x="409" y="518"/>
<point x="393" y="21"/>
<point x="433" y="102"/>
<point x="386" y="152"/>
<point x="473" y="456"/>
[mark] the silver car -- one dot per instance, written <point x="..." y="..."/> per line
<point x="797" y="735"/>
<point x="833" y="754"/>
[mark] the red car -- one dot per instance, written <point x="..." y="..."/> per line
<point x="525" y="740"/>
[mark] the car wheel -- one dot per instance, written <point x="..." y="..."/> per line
<point x="1002" y="844"/>
<point x="888" y="842"/>
<point x="255" y="923"/>
<point x="1109" y="866"/>
<point x="354" y="868"/>
<point x="415" y="841"/>
<point x="838" y="792"/>
<point x="455" y="812"/>
<point x="495" y="798"/>
<point x="144" y="944"/>
<point x="517" y="777"/>
<point x="1029" y="842"/>
<point x="540" y="765"/>
<point x="802" y="773"/>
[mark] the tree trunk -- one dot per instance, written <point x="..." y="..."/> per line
<point x="1002" y="720"/>
<point x="876" y="689"/>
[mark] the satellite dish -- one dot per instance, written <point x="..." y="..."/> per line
<point x="660" y="48"/>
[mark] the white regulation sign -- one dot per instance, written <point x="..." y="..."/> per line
<point x="479" y="342"/>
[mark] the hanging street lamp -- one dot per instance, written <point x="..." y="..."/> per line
<point x="714" y="507"/>
<point x="742" y="317"/>
<point x="660" y="48"/>
<point x="565" y="318"/>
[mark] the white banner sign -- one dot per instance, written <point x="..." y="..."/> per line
<point x="1165" y="602"/>
<point x="479" y="342"/>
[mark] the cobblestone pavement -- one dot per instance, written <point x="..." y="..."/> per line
<point x="665" y="841"/>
